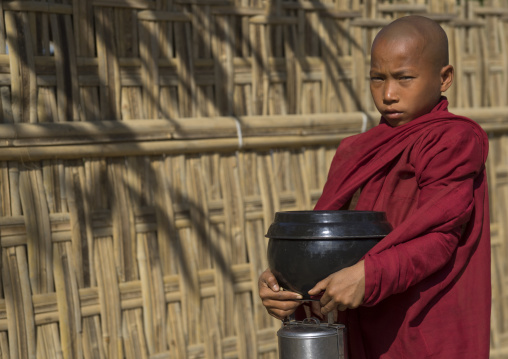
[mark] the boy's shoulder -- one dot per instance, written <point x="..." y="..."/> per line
<point x="448" y="130"/>
<point x="452" y="138"/>
<point x="453" y="130"/>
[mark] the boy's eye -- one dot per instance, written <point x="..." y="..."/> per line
<point x="405" y="78"/>
<point x="375" y="78"/>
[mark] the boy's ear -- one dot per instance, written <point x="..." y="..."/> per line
<point x="446" y="75"/>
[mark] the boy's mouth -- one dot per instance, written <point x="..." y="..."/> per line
<point x="392" y="114"/>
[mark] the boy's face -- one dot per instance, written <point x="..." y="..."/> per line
<point x="404" y="82"/>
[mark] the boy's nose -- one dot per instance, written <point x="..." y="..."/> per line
<point x="390" y="93"/>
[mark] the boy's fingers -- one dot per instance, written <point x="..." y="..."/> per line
<point x="268" y="279"/>
<point x="319" y="287"/>
<point x="272" y="283"/>
<point x="280" y="309"/>
<point x="285" y="306"/>
<point x="266" y="293"/>
<point x="278" y="302"/>
<point x="284" y="295"/>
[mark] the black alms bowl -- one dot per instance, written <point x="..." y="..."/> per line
<point x="305" y="247"/>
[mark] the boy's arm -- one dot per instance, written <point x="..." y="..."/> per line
<point x="446" y="165"/>
<point x="398" y="268"/>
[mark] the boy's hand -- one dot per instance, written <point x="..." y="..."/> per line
<point x="278" y="303"/>
<point x="343" y="289"/>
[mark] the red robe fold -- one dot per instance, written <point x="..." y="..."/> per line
<point x="428" y="284"/>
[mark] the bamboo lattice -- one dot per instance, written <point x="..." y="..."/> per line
<point x="145" y="146"/>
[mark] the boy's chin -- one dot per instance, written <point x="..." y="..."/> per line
<point x="397" y="121"/>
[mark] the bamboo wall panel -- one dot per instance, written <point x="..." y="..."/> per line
<point x="145" y="146"/>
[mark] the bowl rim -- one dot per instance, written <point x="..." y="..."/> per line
<point x="329" y="225"/>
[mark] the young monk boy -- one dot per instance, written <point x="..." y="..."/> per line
<point x="424" y="290"/>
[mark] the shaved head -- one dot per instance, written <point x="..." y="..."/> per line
<point x="424" y="35"/>
<point x="409" y="69"/>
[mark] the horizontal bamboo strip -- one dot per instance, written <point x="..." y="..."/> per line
<point x="153" y="15"/>
<point x="442" y="17"/>
<point x="311" y="62"/>
<point x="37" y="6"/>
<point x="237" y="10"/>
<point x="458" y="22"/>
<point x="205" y="2"/>
<point x="339" y="14"/>
<point x="273" y="20"/>
<point x="365" y="22"/>
<point x="308" y="5"/>
<point x="14" y="135"/>
<point x="33" y="142"/>
<point x="186" y="128"/>
<point x="409" y="8"/>
<point x="496" y="11"/>
<point x="37" y="153"/>
<point x="130" y="4"/>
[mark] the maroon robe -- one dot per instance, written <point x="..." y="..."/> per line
<point x="428" y="284"/>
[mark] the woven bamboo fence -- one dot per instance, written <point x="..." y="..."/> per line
<point x="146" y="144"/>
